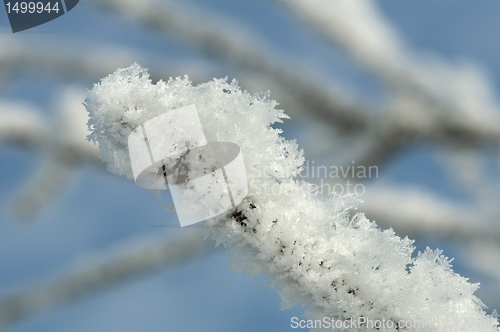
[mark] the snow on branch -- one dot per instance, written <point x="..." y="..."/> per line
<point x="313" y="251"/>
<point x="359" y="30"/>
<point x="237" y="46"/>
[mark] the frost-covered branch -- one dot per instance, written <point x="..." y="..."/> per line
<point x="432" y="102"/>
<point x="417" y="212"/>
<point x="358" y="29"/>
<point x="237" y="46"/>
<point x="132" y="260"/>
<point x="311" y="248"/>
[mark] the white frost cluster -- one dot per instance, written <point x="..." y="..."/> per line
<point x="317" y="255"/>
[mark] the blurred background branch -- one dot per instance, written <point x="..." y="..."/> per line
<point x="106" y="270"/>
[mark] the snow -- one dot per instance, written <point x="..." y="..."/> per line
<point x="315" y="253"/>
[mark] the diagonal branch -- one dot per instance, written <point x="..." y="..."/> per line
<point x="358" y="29"/>
<point x="456" y="104"/>
<point x="237" y="46"/>
<point x="116" y="269"/>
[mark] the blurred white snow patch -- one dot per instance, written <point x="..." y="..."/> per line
<point x="18" y="118"/>
<point x="73" y="118"/>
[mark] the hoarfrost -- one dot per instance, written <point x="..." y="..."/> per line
<point x="315" y="253"/>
